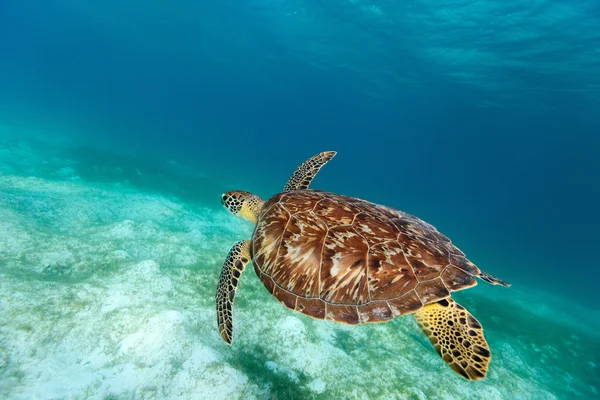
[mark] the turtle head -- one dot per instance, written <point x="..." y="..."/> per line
<point x="242" y="203"/>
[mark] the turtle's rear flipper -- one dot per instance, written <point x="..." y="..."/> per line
<point x="305" y="173"/>
<point x="457" y="337"/>
<point x="492" y="279"/>
<point x="238" y="257"/>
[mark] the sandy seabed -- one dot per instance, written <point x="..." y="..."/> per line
<point x="107" y="292"/>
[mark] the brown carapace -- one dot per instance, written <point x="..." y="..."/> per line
<point x="344" y="259"/>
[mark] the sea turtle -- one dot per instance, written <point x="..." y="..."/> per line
<point x="347" y="260"/>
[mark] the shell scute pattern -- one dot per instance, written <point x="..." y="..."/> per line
<point x="432" y="290"/>
<point x="313" y="307"/>
<point x="267" y="236"/>
<point x="458" y="259"/>
<point x="455" y="279"/>
<point x="389" y="271"/>
<point x="375" y="311"/>
<point x="414" y="229"/>
<point x="299" y="201"/>
<point x="427" y="260"/>
<point x="299" y="257"/>
<point x="375" y="227"/>
<point x="333" y="213"/>
<point x="348" y="260"/>
<point x="408" y="303"/>
<point x="344" y="313"/>
<point x="343" y="267"/>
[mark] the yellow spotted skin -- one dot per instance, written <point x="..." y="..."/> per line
<point x="457" y="337"/>
<point x="242" y="203"/>
<point x="236" y="261"/>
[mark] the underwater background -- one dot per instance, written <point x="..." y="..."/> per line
<point x="121" y="123"/>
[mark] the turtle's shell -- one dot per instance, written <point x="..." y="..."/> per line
<point x="345" y="259"/>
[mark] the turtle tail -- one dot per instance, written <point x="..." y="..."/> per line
<point x="492" y="279"/>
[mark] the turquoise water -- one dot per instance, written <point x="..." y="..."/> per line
<point x="121" y="125"/>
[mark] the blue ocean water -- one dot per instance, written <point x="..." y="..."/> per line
<point x="479" y="117"/>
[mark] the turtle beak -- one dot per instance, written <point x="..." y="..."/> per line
<point x="226" y="202"/>
<point x="230" y="202"/>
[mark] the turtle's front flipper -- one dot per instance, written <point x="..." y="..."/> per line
<point x="238" y="257"/>
<point x="305" y="173"/>
<point x="457" y="337"/>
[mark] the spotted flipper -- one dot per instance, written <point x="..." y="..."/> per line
<point x="238" y="257"/>
<point x="305" y="173"/>
<point x="457" y="337"/>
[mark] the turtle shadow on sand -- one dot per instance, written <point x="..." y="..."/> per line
<point x="281" y="382"/>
